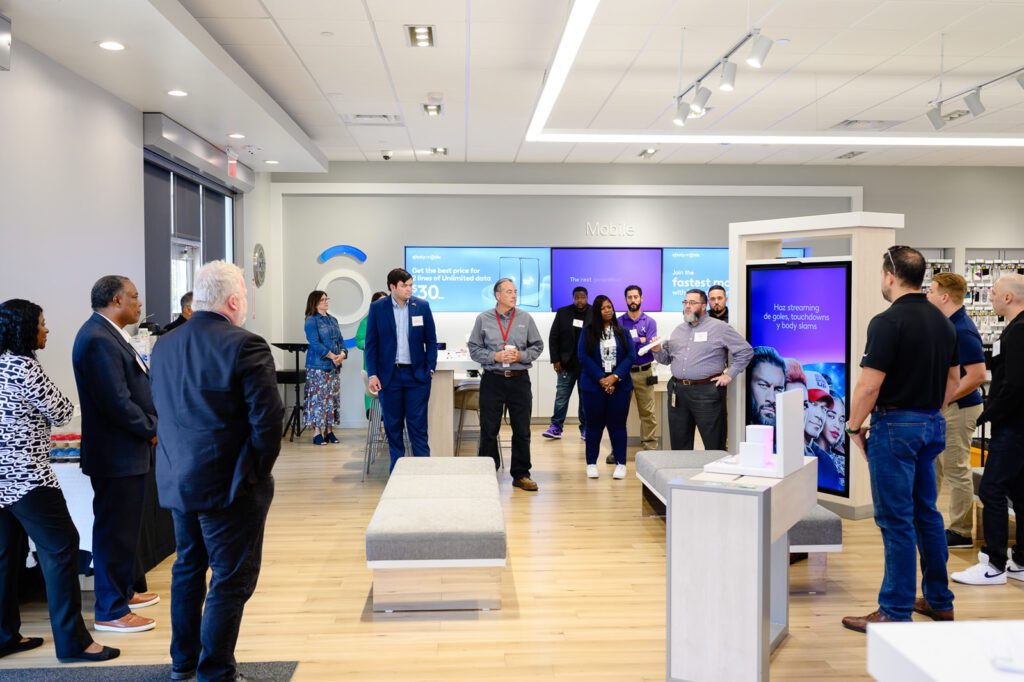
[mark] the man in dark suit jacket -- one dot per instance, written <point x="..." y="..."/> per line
<point x="219" y="436"/>
<point x="118" y="433"/>
<point x="186" y="313"/>
<point x="401" y="355"/>
<point x="562" y="343"/>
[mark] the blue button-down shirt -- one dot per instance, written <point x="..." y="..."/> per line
<point x="402" y="355"/>
<point x="646" y="329"/>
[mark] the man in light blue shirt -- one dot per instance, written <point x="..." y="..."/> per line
<point x="401" y="355"/>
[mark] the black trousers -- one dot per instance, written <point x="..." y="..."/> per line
<point x="117" y="505"/>
<point x="497" y="393"/>
<point x="700" y="406"/>
<point x="1003" y="478"/>
<point x="230" y="543"/>
<point x="43" y="514"/>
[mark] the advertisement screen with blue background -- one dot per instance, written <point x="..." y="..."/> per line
<point x="458" y="279"/>
<point x="684" y="269"/>
<point x="799" y="325"/>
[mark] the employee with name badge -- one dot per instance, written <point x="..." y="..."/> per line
<point x="698" y="350"/>
<point x="641" y="329"/>
<point x="401" y="355"/>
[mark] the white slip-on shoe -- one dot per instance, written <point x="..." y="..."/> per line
<point x="981" y="573"/>
<point x="1014" y="570"/>
<point x="592" y="471"/>
<point x="620" y="471"/>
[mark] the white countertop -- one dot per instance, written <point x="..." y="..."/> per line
<point x="953" y="652"/>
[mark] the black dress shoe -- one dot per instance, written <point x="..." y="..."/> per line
<point x="183" y="674"/>
<point x="108" y="653"/>
<point x="29" y="644"/>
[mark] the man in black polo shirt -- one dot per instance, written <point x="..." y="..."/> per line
<point x="910" y="370"/>
<point x="1004" y="468"/>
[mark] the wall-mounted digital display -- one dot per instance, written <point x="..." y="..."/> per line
<point x="798" y="321"/>
<point x="606" y="271"/>
<point x="685" y="269"/>
<point x="457" y="279"/>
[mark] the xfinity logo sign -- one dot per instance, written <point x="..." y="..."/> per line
<point x="598" y="229"/>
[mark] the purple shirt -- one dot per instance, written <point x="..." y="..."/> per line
<point x="642" y="330"/>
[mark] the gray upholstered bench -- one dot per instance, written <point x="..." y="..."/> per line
<point x="437" y="538"/>
<point x="817" y="534"/>
<point x="979" y="527"/>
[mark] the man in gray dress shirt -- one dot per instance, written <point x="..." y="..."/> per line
<point x="698" y="350"/>
<point x="505" y="342"/>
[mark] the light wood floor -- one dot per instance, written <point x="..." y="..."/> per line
<point x="584" y="593"/>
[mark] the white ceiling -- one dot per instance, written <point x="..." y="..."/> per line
<point x="324" y="60"/>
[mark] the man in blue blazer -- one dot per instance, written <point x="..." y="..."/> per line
<point x="215" y="386"/>
<point x="401" y="355"/>
<point x="118" y="434"/>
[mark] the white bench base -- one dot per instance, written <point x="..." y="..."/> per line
<point x="436" y="589"/>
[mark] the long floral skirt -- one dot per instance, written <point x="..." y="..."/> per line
<point x="323" y="399"/>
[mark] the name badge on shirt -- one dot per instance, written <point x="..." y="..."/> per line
<point x="634" y="334"/>
<point x="995" y="348"/>
<point x="700" y="337"/>
<point x="417" y="320"/>
<point x="578" y="323"/>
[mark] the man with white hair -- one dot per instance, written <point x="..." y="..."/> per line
<point x="1004" y="467"/>
<point x="216" y="387"/>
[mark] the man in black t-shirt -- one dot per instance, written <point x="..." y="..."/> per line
<point x="1004" y="468"/>
<point x="910" y="370"/>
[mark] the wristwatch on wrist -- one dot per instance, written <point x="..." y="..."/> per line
<point x="853" y="432"/>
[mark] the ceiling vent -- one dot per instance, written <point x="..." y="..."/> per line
<point x="854" y="124"/>
<point x="390" y="120"/>
<point x="850" y="155"/>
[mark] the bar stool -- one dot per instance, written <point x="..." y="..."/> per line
<point x="467" y="398"/>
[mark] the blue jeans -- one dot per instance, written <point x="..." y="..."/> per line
<point x="902" y="449"/>
<point x="230" y="542"/>
<point x="563" y="391"/>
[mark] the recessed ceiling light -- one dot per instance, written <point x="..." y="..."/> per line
<point x="439" y="151"/>
<point x="782" y="41"/>
<point x="236" y="136"/>
<point x="111" y="45"/>
<point x="419" y="36"/>
<point x="432" y="109"/>
<point x="270" y="162"/>
<point x="177" y="93"/>
<point x="647" y="153"/>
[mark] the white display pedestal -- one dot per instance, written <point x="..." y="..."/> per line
<point x="961" y="650"/>
<point x="728" y="570"/>
<point x="441" y="408"/>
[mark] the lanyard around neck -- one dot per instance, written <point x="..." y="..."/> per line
<point x="501" y="330"/>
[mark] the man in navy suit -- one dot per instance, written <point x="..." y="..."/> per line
<point x="401" y="355"/>
<point x="118" y="434"/>
<point x="215" y="386"/>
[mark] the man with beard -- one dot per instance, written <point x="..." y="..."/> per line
<point x="766" y="379"/>
<point x="717" y="300"/>
<point x="641" y="328"/>
<point x="563" y="341"/>
<point x="697" y="350"/>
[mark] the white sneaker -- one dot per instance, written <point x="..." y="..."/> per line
<point x="592" y="471"/>
<point x="981" y="573"/>
<point x="1014" y="570"/>
<point x="620" y="471"/>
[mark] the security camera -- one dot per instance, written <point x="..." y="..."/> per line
<point x="386" y="154"/>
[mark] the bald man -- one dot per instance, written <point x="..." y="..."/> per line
<point x="1004" y="468"/>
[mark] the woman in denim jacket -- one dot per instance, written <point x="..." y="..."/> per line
<point x="323" y="368"/>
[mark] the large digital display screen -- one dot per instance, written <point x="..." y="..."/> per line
<point x="685" y="269"/>
<point x="798" y="321"/>
<point x="606" y="271"/>
<point x="459" y="279"/>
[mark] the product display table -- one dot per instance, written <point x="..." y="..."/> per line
<point x="441" y="409"/>
<point x="728" y="570"/>
<point x="962" y="650"/>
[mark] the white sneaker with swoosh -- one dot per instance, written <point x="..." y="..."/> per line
<point x="980" y="573"/>
<point x="1014" y="570"/>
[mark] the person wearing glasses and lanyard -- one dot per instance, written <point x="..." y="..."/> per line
<point x="910" y="369"/>
<point x="505" y="342"/>
<point x="697" y="350"/>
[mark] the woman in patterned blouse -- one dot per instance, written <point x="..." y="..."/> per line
<point x="31" y="501"/>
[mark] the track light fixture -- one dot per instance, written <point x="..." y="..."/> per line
<point x="700" y="99"/>
<point x="1020" y="80"/>
<point x="973" y="102"/>
<point x="682" y="112"/>
<point x="728" y="82"/>
<point x="759" y="50"/>
<point x="935" y="117"/>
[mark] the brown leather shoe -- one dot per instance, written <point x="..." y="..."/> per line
<point x="141" y="600"/>
<point x="925" y="609"/>
<point x="526" y="483"/>
<point x="860" y="623"/>
<point x="130" y="622"/>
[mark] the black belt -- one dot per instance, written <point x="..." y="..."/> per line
<point x="400" y="364"/>
<point x="640" y="368"/>
<point x="694" y="382"/>
<point x="508" y="373"/>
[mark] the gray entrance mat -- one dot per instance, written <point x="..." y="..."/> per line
<point x="278" y="671"/>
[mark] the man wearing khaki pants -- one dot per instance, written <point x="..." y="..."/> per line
<point x="954" y="464"/>
<point x="642" y="329"/>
